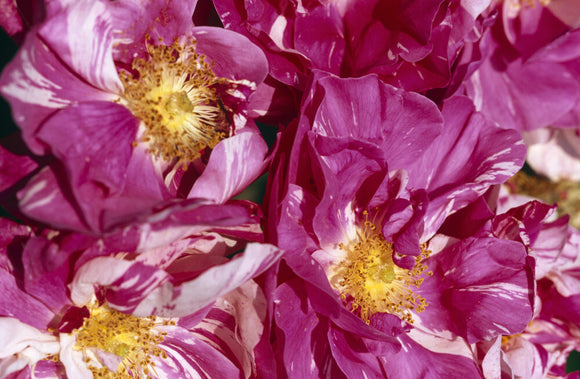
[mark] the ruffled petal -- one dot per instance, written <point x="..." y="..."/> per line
<point x="425" y="361"/>
<point x="26" y="342"/>
<point x="174" y="301"/>
<point x="233" y="55"/>
<point x="188" y="356"/>
<point x="45" y="197"/>
<point x="37" y="82"/>
<point x="72" y="359"/>
<point x="304" y="355"/>
<point x="90" y="58"/>
<point x="470" y="156"/>
<point x="234" y="164"/>
<point x="480" y="288"/>
<point x="125" y="282"/>
<point x="80" y="137"/>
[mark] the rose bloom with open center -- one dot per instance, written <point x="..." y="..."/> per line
<point x="159" y="300"/>
<point x="130" y="105"/>
<point x="355" y="201"/>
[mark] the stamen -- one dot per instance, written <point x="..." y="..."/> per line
<point x="132" y="338"/>
<point x="371" y="282"/>
<point x="174" y="94"/>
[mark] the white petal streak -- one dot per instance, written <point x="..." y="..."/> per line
<point x="29" y="86"/>
<point x="94" y="59"/>
<point x="184" y="365"/>
<point x="502" y="290"/>
<point x="189" y="297"/>
<point x="22" y="345"/>
<point x="277" y="31"/>
<point x="72" y="358"/>
<point x="103" y="271"/>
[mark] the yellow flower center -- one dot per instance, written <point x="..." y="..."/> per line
<point x="132" y="338"/>
<point x="369" y="277"/>
<point x="174" y="94"/>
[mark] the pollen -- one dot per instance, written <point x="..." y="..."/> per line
<point x="133" y="339"/>
<point x="173" y="93"/>
<point x="371" y="282"/>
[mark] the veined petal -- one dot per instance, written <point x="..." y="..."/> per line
<point x="80" y="136"/>
<point x="480" y="288"/>
<point x="369" y="110"/>
<point x="29" y="310"/>
<point x="188" y="218"/>
<point x="340" y="158"/>
<point x="320" y="37"/>
<point x="43" y="198"/>
<point x="46" y="269"/>
<point x="188" y="355"/>
<point x="234" y="163"/>
<point x="352" y="356"/>
<point x="470" y="155"/>
<point x="174" y="301"/>
<point x="235" y="325"/>
<point x="304" y="354"/>
<point x="36" y="83"/>
<point x="417" y="361"/>
<point x="47" y="369"/>
<point x="90" y="58"/>
<point x="223" y="47"/>
<point x="125" y="282"/>
<point x="134" y="21"/>
<point x="298" y="205"/>
<point x="502" y="91"/>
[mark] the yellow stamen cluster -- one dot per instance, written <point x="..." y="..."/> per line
<point x="173" y="93"/>
<point x="132" y="338"/>
<point x="374" y="283"/>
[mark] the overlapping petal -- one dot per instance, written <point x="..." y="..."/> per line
<point x="71" y="98"/>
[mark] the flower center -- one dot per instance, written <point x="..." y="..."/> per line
<point x="174" y="94"/>
<point x="133" y="339"/>
<point x="373" y="282"/>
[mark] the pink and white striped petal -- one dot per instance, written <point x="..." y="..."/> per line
<point x="169" y="300"/>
